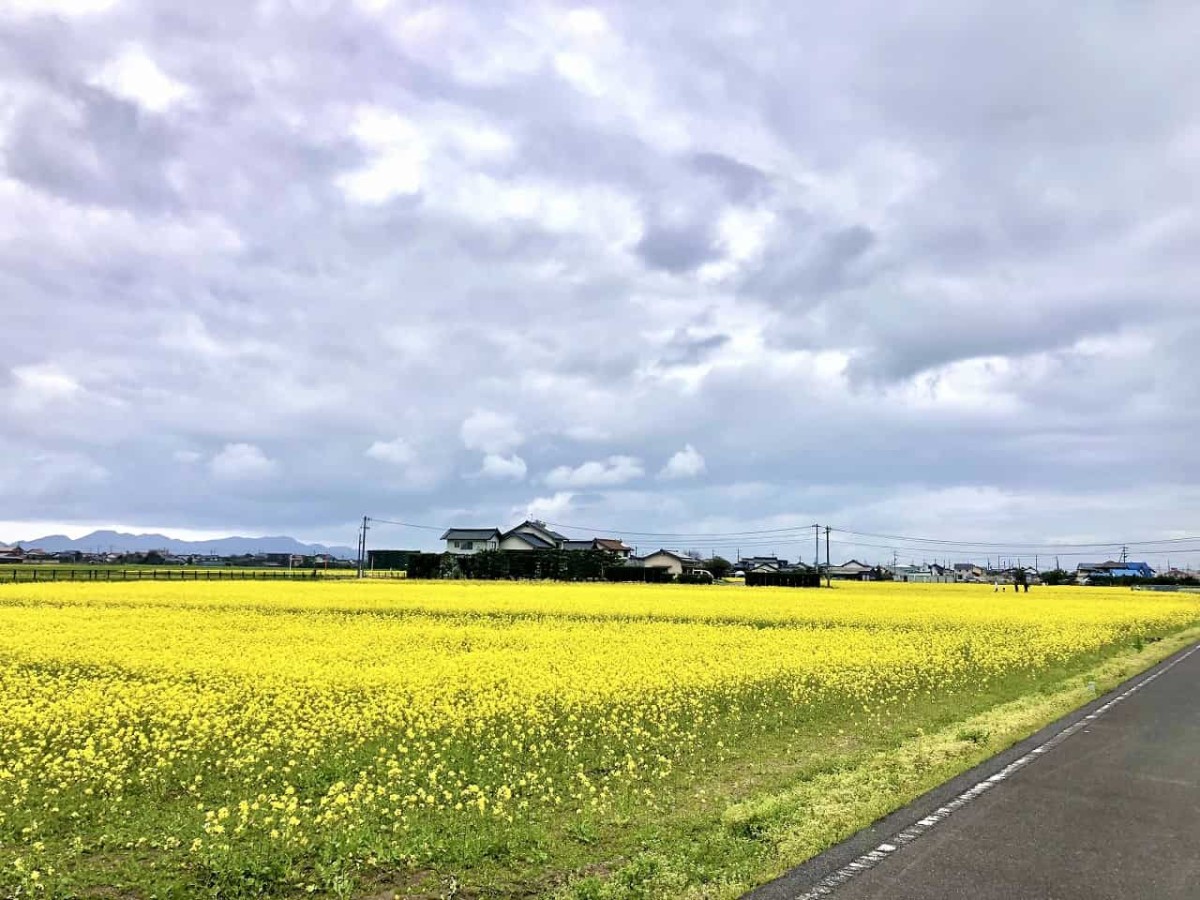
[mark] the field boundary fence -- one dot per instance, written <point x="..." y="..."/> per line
<point x="31" y="575"/>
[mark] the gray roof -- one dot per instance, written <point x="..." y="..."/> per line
<point x="470" y="534"/>
<point x="533" y="540"/>
<point x="679" y="555"/>
<point x="541" y="526"/>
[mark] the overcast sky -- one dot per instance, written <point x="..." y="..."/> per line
<point x="914" y="268"/>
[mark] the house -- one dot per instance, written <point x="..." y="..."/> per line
<point x="525" y="540"/>
<point x="852" y="569"/>
<point x="606" y="545"/>
<point x="12" y="555"/>
<point x="969" y="572"/>
<point x="532" y="534"/>
<point x="614" y="546"/>
<point x="1087" y="570"/>
<point x="675" y="562"/>
<point x="471" y="540"/>
<point x="932" y="574"/>
<point x="762" y="564"/>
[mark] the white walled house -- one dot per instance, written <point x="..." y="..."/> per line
<point x="852" y="570"/>
<point x="533" y="535"/>
<point x="471" y="540"/>
<point x="524" y="540"/>
<point x="675" y="563"/>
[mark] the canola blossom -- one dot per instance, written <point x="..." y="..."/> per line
<point x="266" y="730"/>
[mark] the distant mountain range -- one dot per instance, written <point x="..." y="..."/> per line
<point x="119" y="542"/>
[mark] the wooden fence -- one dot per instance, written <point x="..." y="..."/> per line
<point x="31" y="575"/>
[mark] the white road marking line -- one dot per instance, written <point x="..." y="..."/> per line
<point x="869" y="860"/>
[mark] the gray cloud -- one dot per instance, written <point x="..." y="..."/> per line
<point x="675" y="249"/>
<point x="928" y="268"/>
<point x="742" y="182"/>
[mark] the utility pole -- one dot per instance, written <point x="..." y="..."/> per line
<point x="1124" y="553"/>
<point x="362" y="545"/>
<point x="817" y="548"/>
<point x="828" y="577"/>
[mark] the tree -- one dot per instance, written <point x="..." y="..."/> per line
<point x="1057" y="576"/>
<point x="719" y="566"/>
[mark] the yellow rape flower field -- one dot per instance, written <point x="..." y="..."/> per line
<point x="436" y="739"/>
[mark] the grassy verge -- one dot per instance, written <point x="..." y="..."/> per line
<point x="787" y="818"/>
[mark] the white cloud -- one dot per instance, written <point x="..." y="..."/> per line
<point x="490" y="432"/>
<point x="396" y="452"/>
<point x="408" y="471"/>
<point x="38" y="386"/>
<point x="242" y="462"/>
<point x="596" y="473"/>
<point x="187" y="457"/>
<point x="135" y="76"/>
<point x="687" y="463"/>
<point x="399" y="152"/>
<point x="547" y="507"/>
<point x="191" y="335"/>
<point x="497" y="466"/>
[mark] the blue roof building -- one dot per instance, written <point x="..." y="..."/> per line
<point x="1114" y="569"/>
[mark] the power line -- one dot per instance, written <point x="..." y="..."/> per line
<point x="406" y="524"/>
<point x="968" y="552"/>
<point x="1017" y="544"/>
<point x="795" y="529"/>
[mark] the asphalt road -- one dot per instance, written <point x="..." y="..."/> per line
<point x="1111" y="810"/>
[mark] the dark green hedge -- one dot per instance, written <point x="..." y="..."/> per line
<point x="652" y="575"/>
<point x="394" y="560"/>
<point x="556" y="565"/>
<point x="783" y="579"/>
